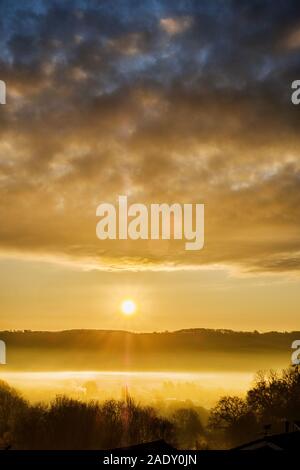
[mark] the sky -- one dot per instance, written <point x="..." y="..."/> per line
<point x="162" y="101"/>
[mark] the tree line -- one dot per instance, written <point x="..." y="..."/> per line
<point x="65" y="423"/>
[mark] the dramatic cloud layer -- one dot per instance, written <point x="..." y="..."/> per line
<point x="165" y="101"/>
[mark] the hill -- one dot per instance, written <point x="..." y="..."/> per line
<point x="190" y="349"/>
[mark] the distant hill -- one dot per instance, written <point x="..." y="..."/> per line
<point x="191" y="349"/>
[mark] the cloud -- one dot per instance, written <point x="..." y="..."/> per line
<point x="175" y="26"/>
<point x="292" y="41"/>
<point x="101" y="103"/>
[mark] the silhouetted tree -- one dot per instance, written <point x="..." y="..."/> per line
<point x="71" y="424"/>
<point x="233" y="420"/>
<point x="273" y="400"/>
<point x="12" y="408"/>
<point x="188" y="427"/>
<point x="275" y="397"/>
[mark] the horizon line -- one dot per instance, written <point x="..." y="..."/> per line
<point x="181" y="330"/>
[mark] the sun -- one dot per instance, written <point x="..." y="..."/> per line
<point x="128" y="307"/>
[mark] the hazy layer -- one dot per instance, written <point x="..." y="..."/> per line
<point x="151" y="387"/>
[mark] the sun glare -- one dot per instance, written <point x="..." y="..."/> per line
<point x="128" y="307"/>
